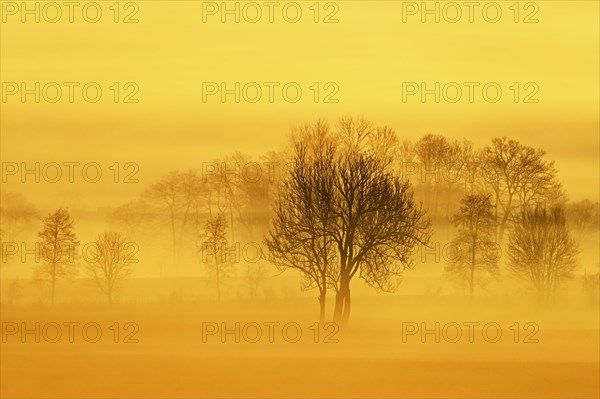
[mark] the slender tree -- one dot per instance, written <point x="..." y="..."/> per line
<point x="477" y="251"/>
<point x="591" y="287"/>
<point x="215" y="248"/>
<point x="255" y="276"/>
<point x="164" y="194"/>
<point x="58" y="248"/>
<point x="109" y="262"/>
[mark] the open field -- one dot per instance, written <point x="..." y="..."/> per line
<point x="177" y="355"/>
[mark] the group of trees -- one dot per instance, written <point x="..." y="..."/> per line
<point x="345" y="201"/>
<point x="107" y="260"/>
<point x="514" y="189"/>
<point x="226" y="200"/>
<point x="351" y="204"/>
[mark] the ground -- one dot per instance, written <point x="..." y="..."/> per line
<point x="380" y="354"/>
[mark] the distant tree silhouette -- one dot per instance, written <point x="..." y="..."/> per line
<point x="477" y="251"/>
<point x="13" y="292"/>
<point x="17" y="218"/>
<point x="58" y="248"/>
<point x="443" y="174"/>
<point x="255" y="276"/>
<point x="166" y="194"/>
<point x="109" y="262"/>
<point x="354" y="133"/>
<point x="541" y="249"/>
<point x="16" y="214"/>
<point x="583" y="218"/>
<point x="131" y="217"/>
<point x="591" y="287"/>
<point x="176" y="197"/>
<point x="383" y="142"/>
<point x="223" y="180"/>
<point x="518" y="176"/>
<point x="215" y="248"/>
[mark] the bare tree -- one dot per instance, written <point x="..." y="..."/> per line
<point x="193" y="191"/>
<point x="377" y="224"/>
<point x="342" y="205"/>
<point x="256" y="274"/>
<point x="109" y="262"/>
<point x="445" y="176"/>
<point x="129" y="216"/>
<point x="58" y="248"/>
<point x="13" y="293"/>
<point x="591" y="287"/>
<point x="518" y="176"/>
<point x="475" y="229"/>
<point x="165" y="195"/>
<point x="383" y="142"/>
<point x="541" y="249"/>
<point x="223" y="181"/>
<point x="215" y="248"/>
<point x="300" y="233"/>
<point x="354" y="133"/>
<point x="17" y="218"/>
<point x="241" y="186"/>
<point x="176" y="196"/>
<point x="583" y="218"/>
<point x="17" y="214"/>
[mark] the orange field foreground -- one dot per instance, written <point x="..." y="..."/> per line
<point x="377" y="356"/>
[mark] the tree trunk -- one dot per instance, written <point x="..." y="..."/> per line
<point x="347" y="307"/>
<point x="339" y="304"/>
<point x="342" y="303"/>
<point x="180" y="242"/>
<point x="174" y="237"/>
<point x="110" y="302"/>
<point x="505" y="220"/>
<point x="471" y="286"/>
<point x="322" y="298"/>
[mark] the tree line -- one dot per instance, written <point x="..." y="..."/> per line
<point x="346" y="201"/>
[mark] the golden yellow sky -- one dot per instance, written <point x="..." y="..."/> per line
<point x="368" y="54"/>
